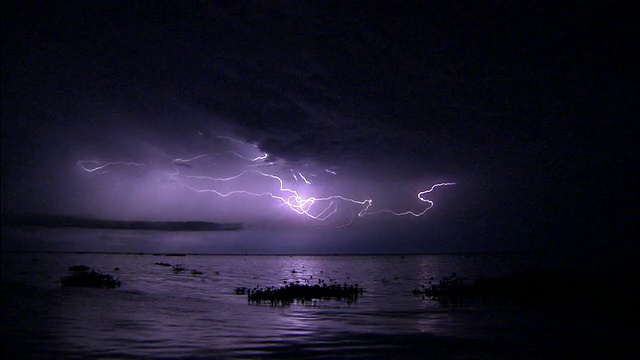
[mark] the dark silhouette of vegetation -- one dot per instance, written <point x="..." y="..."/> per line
<point x="291" y="293"/>
<point x="241" y="290"/>
<point x="542" y="287"/>
<point x="78" y="268"/>
<point x="83" y="276"/>
<point x="449" y="289"/>
<point x="178" y="268"/>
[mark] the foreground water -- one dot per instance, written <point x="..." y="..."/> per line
<point x="159" y="314"/>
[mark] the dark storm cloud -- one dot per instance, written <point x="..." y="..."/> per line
<point x="255" y="68"/>
<point x="310" y="83"/>
<point x="523" y="106"/>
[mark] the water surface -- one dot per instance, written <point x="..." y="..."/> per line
<point x="159" y="314"/>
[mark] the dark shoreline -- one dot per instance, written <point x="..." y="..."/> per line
<point x="61" y="221"/>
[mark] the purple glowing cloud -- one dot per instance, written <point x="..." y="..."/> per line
<point x="255" y="176"/>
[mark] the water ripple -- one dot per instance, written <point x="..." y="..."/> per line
<point x="159" y="314"/>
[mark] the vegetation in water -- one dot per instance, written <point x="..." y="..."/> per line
<point x="541" y="287"/>
<point x="291" y="293"/>
<point x="83" y="276"/>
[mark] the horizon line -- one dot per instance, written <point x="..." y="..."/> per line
<point x="277" y="254"/>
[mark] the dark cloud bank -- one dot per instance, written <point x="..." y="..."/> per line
<point x="527" y="109"/>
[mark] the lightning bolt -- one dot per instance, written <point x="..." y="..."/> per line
<point x="421" y="198"/>
<point x="317" y="208"/>
<point x="291" y="198"/>
<point x="304" y="179"/>
<point x="98" y="166"/>
<point x="263" y="157"/>
<point x="179" y="161"/>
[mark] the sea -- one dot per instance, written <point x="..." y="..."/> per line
<point x="159" y="314"/>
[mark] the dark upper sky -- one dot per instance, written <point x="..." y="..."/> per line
<point x="527" y="109"/>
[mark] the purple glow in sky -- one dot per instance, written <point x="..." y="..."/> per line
<point x="322" y="115"/>
<point x="257" y="176"/>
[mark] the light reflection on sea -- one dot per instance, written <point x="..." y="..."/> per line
<point x="156" y="313"/>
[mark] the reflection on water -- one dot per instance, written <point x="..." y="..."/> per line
<point x="157" y="313"/>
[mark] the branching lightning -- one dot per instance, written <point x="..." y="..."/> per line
<point x="421" y="198"/>
<point x="317" y="208"/>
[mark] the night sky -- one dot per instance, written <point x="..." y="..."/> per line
<point x="524" y="114"/>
